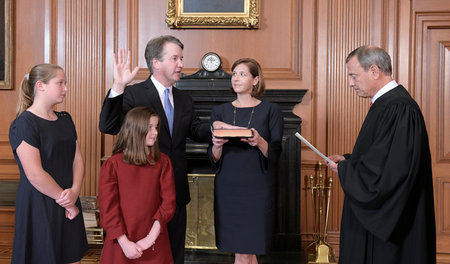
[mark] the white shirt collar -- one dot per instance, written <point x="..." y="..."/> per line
<point x="389" y="86"/>
<point x="160" y="88"/>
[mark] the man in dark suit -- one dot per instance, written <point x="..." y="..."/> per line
<point x="164" y="56"/>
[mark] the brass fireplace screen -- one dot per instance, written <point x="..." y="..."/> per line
<point x="200" y="212"/>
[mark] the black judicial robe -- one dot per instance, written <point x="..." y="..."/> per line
<point x="388" y="213"/>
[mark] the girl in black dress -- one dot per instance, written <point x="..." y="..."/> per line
<point x="244" y="198"/>
<point x="49" y="226"/>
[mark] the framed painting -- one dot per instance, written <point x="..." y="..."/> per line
<point x="212" y="13"/>
<point x="6" y="44"/>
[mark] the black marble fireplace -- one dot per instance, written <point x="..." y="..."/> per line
<point x="208" y="90"/>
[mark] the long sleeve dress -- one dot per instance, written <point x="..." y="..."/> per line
<point x="244" y="204"/>
<point x="43" y="234"/>
<point x="130" y="199"/>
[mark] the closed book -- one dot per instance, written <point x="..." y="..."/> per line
<point x="233" y="133"/>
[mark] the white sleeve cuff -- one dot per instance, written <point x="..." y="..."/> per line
<point x="113" y="94"/>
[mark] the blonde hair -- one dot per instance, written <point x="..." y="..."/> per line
<point x="132" y="135"/>
<point x="41" y="72"/>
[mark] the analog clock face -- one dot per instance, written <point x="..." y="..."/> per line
<point x="211" y="62"/>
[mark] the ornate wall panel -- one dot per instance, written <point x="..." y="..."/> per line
<point x="443" y="190"/>
<point x="444" y="104"/>
<point x="431" y="88"/>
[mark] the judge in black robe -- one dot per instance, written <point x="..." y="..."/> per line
<point x="388" y="213"/>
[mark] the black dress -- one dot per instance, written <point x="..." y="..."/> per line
<point x="244" y="202"/>
<point x="42" y="232"/>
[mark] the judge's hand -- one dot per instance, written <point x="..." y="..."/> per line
<point x="122" y="73"/>
<point x="336" y="159"/>
<point x="72" y="212"/>
<point x="129" y="248"/>
<point x="67" y="198"/>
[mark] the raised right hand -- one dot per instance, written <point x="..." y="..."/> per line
<point x="122" y="73"/>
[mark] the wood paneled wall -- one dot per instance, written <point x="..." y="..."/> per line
<point x="78" y="38"/>
<point x="430" y="85"/>
<point x="301" y="44"/>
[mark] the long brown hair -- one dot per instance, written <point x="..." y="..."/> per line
<point x="131" y="138"/>
<point x="41" y="72"/>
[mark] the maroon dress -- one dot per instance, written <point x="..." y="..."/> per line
<point x="130" y="199"/>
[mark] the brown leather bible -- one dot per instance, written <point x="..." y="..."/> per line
<point x="233" y="133"/>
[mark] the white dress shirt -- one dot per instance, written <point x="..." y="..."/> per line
<point x="389" y="86"/>
<point x="159" y="87"/>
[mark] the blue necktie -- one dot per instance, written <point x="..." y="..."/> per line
<point x="169" y="109"/>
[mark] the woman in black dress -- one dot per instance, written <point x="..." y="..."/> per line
<point x="244" y="184"/>
<point x="49" y="226"/>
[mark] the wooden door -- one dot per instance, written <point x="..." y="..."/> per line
<point x="430" y="86"/>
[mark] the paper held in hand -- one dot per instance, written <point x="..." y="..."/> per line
<point x="313" y="148"/>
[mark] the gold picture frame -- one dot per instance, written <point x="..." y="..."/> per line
<point x="245" y="16"/>
<point x="6" y="50"/>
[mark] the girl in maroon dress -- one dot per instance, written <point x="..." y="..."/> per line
<point x="137" y="194"/>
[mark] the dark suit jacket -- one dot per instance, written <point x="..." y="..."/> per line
<point x="185" y="124"/>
